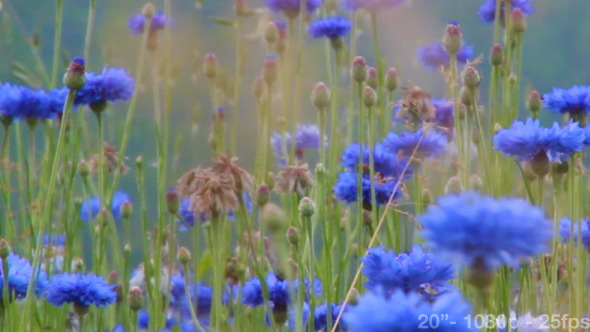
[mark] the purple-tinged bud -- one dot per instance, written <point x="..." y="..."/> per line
<point x="496" y="55"/>
<point x="359" y="69"/>
<point x="453" y="186"/>
<point x="126" y="209"/>
<point x="271" y="34"/>
<point x="148" y="10"/>
<point x="262" y="195"/>
<point x="453" y="38"/>
<point x="307" y="207"/>
<point x="113" y="278"/>
<point x="372" y="77"/>
<point x="391" y="79"/>
<point x="74" y="78"/>
<point x="258" y="87"/>
<point x="172" y="201"/>
<point x="293" y="236"/>
<point x="560" y="169"/>
<point x="135" y="298"/>
<point x="470" y="78"/>
<point x="320" y="96"/>
<point x="534" y="102"/>
<point x="369" y="97"/>
<point x="4" y="249"/>
<point x="183" y="255"/>
<point x="518" y="23"/>
<point x="210" y="65"/>
<point x="270" y="70"/>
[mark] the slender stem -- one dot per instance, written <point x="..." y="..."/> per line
<point x="87" y="42"/>
<point x="237" y="86"/>
<point x="57" y="41"/>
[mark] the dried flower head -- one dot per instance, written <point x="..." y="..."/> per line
<point x="416" y="104"/>
<point x="190" y="181"/>
<point x="227" y="165"/>
<point x="215" y="195"/>
<point x="294" y="179"/>
<point x="110" y="159"/>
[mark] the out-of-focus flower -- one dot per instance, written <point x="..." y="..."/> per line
<point x="330" y="27"/>
<point x="434" y="56"/>
<point x="19" y="275"/>
<point x="137" y="22"/>
<point x="487" y="11"/>
<point x="110" y="86"/>
<point x="575" y="100"/>
<point x="20" y="102"/>
<point x="370" y="5"/>
<point x="418" y="144"/>
<point x="91" y="207"/>
<point x="581" y="227"/>
<point x="291" y="8"/>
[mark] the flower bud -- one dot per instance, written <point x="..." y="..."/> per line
<point x="470" y="77"/>
<point x="240" y="8"/>
<point x="369" y="97"/>
<point x="320" y="96"/>
<point x="453" y="186"/>
<point x="534" y="102"/>
<point x="479" y="276"/>
<point x="257" y="87"/>
<point x="466" y="96"/>
<point x="372" y="77"/>
<point x="262" y="195"/>
<point x="391" y="79"/>
<point x="307" y="207"/>
<point x="453" y="38"/>
<point x="271" y="33"/>
<point x="83" y="168"/>
<point x="139" y="162"/>
<point x="359" y="69"/>
<point x="4" y="249"/>
<point x="126" y="209"/>
<point x="135" y="298"/>
<point x="518" y="21"/>
<point x="183" y="255"/>
<point x="270" y="70"/>
<point x="273" y="217"/>
<point x="293" y="236"/>
<point x="74" y="78"/>
<point x="354" y="297"/>
<point x="148" y="10"/>
<point x="210" y="65"/>
<point x="540" y="164"/>
<point x="427" y="198"/>
<point x="172" y="201"/>
<point x="496" y="55"/>
<point x="497" y="128"/>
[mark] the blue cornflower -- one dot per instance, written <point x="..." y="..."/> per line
<point x="405" y="312"/>
<point x="294" y="312"/>
<point x="143" y="320"/>
<point x="444" y="118"/>
<point x="200" y="295"/>
<point x="187" y="220"/>
<point x="587" y="135"/>
<point x="473" y="228"/>
<point x="583" y="226"/>
<point x="320" y="319"/>
<point x="112" y="85"/>
<point x="83" y="290"/>
<point x="137" y="22"/>
<point x="419" y="144"/>
<point x="526" y="140"/>
<point x="307" y="136"/>
<point x="20" y="102"/>
<point x="19" y="274"/>
<point x="279" y="291"/>
<point x="330" y="27"/>
<point x="487" y="11"/>
<point x="370" y="5"/>
<point x="435" y="56"/>
<point x="291" y="8"/>
<point x="414" y="272"/>
<point x="91" y="207"/>
<point x="55" y="240"/>
<point x="575" y="100"/>
<point x="388" y="170"/>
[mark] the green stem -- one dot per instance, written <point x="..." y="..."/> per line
<point x="237" y="86"/>
<point x="57" y="41"/>
<point x="87" y="42"/>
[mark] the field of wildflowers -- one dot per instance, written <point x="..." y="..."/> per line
<point x="390" y="209"/>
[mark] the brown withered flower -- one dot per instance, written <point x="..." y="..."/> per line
<point x="415" y="104"/>
<point x="110" y="160"/>
<point x="227" y="165"/>
<point x="294" y="179"/>
<point x="214" y="195"/>
<point x="190" y="181"/>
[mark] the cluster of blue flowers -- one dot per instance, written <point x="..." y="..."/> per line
<point x="487" y="11"/>
<point x="20" y="102"/>
<point x="567" y="228"/>
<point x="305" y="137"/>
<point x="91" y="207"/>
<point x="137" y="23"/>
<point x="526" y="140"/>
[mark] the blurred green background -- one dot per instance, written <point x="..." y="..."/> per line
<point x="556" y="51"/>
